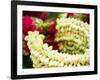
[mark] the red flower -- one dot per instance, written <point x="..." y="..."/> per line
<point x="40" y="30"/>
<point x="71" y="14"/>
<point x="50" y="38"/>
<point x="26" y="50"/>
<point x="44" y="15"/>
<point x="52" y="27"/>
<point x="50" y="41"/>
<point x="55" y="45"/>
<point x="28" y="24"/>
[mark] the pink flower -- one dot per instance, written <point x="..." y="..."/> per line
<point x="28" y="24"/>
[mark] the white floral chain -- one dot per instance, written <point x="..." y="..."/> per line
<point x="72" y="35"/>
<point x="43" y="55"/>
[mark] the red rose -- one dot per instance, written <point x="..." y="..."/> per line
<point x="28" y="24"/>
<point x="52" y="27"/>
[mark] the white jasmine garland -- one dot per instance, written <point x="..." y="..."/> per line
<point x="42" y="55"/>
<point x="72" y="35"/>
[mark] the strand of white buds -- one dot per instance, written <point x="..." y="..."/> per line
<point x="43" y="55"/>
<point x="72" y="35"/>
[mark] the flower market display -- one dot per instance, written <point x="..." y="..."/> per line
<point x="55" y="39"/>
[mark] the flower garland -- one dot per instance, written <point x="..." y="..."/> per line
<point x="72" y="35"/>
<point x="42" y="55"/>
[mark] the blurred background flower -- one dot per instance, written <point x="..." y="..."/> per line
<point x="42" y="15"/>
<point x="82" y="16"/>
<point x="28" y="24"/>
